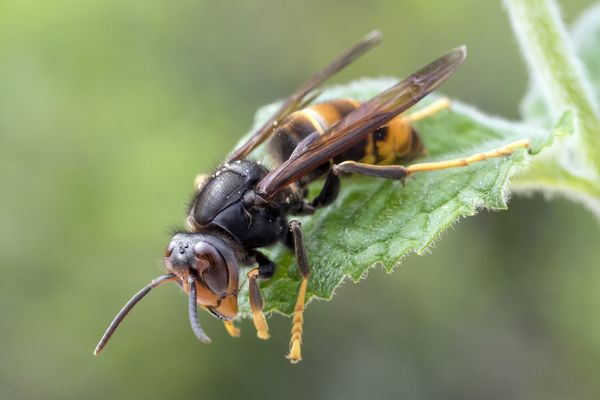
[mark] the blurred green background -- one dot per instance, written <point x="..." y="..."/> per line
<point x="109" y="108"/>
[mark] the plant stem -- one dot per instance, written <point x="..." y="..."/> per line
<point x="556" y="70"/>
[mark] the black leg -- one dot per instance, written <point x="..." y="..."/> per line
<point x="329" y="192"/>
<point x="295" y="354"/>
<point x="266" y="267"/>
<point x="378" y="171"/>
<point x="305" y="208"/>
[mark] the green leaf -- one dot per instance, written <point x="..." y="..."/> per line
<point x="378" y="222"/>
<point x="551" y="172"/>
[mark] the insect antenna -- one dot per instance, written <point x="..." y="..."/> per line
<point x="193" y="313"/>
<point x="128" y="306"/>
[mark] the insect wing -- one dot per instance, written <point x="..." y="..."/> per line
<point x="361" y="122"/>
<point x="297" y="100"/>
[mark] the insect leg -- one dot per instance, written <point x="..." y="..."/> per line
<point x="295" y="354"/>
<point x="233" y="330"/>
<point x="329" y="192"/>
<point x="401" y="172"/>
<point x="265" y="270"/>
<point x="256" y="304"/>
<point x="428" y="111"/>
<point x="326" y="196"/>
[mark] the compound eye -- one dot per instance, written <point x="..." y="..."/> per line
<point x="211" y="266"/>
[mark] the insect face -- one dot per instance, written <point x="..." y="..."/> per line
<point x="200" y="259"/>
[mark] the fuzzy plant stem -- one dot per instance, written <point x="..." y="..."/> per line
<point x="557" y="71"/>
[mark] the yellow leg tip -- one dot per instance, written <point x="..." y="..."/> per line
<point x="444" y="103"/>
<point x="264" y="335"/>
<point x="260" y="323"/>
<point x="233" y="330"/>
<point x="295" y="355"/>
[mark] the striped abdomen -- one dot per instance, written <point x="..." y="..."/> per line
<point x="393" y="143"/>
